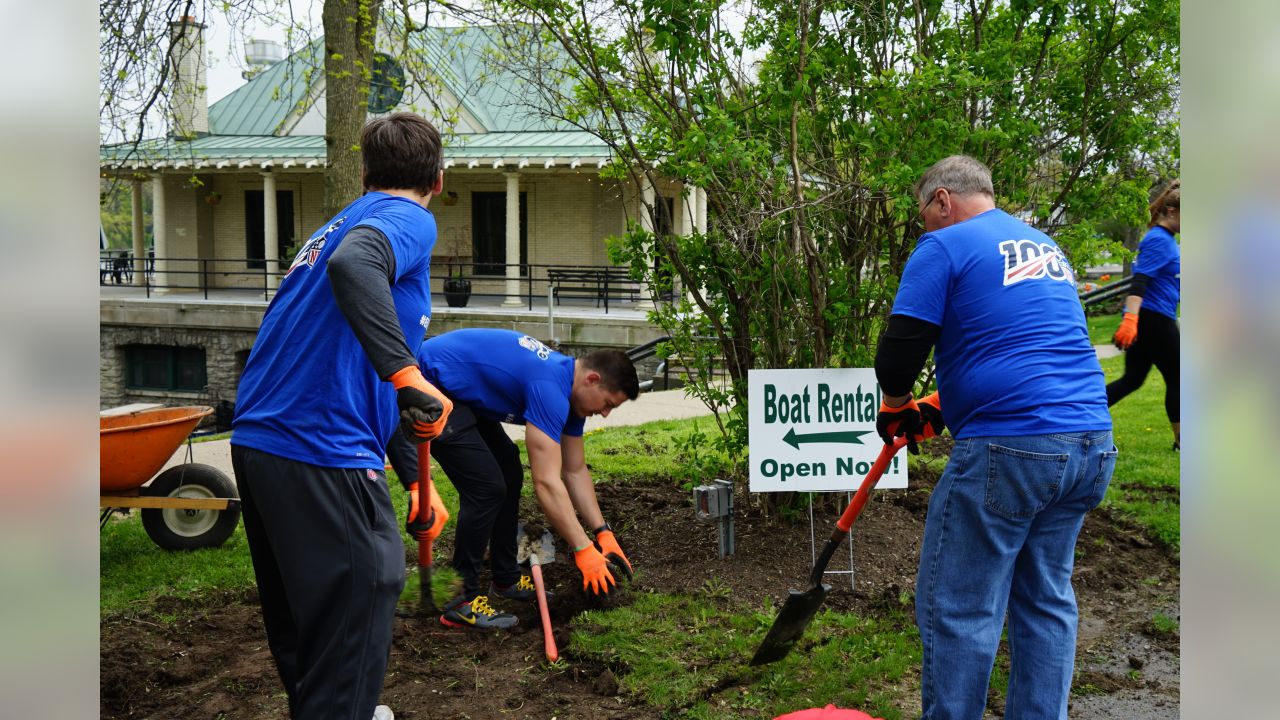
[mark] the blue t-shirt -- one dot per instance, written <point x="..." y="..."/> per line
<point x="1014" y="356"/>
<point x="1160" y="259"/>
<point x="308" y="391"/>
<point x="505" y="376"/>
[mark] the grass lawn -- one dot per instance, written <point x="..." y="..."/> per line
<point x="1102" y="327"/>
<point x="1146" y="481"/>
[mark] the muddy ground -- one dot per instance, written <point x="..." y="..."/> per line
<point x="214" y="663"/>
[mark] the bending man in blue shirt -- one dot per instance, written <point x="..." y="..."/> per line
<point x="497" y="376"/>
<point x="1024" y="397"/>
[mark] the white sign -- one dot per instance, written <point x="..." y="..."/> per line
<point x="815" y="430"/>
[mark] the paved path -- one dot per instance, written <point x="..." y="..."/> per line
<point x="650" y="406"/>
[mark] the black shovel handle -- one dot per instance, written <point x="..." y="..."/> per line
<point x="854" y="509"/>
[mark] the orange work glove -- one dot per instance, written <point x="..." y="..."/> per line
<point x="901" y="421"/>
<point x="931" y="421"/>
<point x="608" y="546"/>
<point x="1127" y="333"/>
<point x="595" y="570"/>
<point x="436" y="515"/>
<point x="423" y="408"/>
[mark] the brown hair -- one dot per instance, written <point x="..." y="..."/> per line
<point x="1168" y="199"/>
<point x="617" y="372"/>
<point x="401" y="151"/>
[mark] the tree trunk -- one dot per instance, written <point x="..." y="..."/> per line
<point x="350" y="27"/>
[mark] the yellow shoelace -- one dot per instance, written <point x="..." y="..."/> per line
<point x="481" y="606"/>
<point x="525" y="583"/>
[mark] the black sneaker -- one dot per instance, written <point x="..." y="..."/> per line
<point x="522" y="590"/>
<point x="476" y="613"/>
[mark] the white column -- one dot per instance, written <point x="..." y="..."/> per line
<point x="270" y="235"/>
<point x="645" y="301"/>
<point x="160" y="232"/>
<point x="139" y="236"/>
<point x="514" y="299"/>
<point x="700" y="212"/>
<point x="700" y="217"/>
<point x="688" y="210"/>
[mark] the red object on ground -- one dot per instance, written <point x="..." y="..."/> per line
<point x="830" y="712"/>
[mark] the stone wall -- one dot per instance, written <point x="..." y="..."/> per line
<point x="227" y="331"/>
<point x="225" y="351"/>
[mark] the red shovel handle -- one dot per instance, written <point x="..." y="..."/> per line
<point x="548" y="639"/>
<point x="424" y="546"/>
<point x="424" y="493"/>
<point x="868" y="484"/>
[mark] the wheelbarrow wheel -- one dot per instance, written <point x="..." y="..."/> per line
<point x="183" y="529"/>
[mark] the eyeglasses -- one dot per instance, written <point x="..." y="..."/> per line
<point x="932" y="197"/>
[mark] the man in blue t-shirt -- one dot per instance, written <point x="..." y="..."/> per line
<point x="996" y="301"/>
<point x="329" y="377"/>
<point x="502" y="376"/>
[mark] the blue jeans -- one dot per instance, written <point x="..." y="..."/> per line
<point x="1001" y="536"/>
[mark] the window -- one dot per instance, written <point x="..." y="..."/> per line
<point x="164" y="367"/>
<point x="663" y="224"/>
<point x="255" y="237"/>
<point x="489" y="233"/>
<point x="386" y="84"/>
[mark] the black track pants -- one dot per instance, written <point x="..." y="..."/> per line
<point x="484" y="466"/>
<point x="329" y="561"/>
<point x="1158" y="344"/>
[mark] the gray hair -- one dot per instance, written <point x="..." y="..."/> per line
<point x="960" y="174"/>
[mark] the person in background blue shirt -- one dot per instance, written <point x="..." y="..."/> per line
<point x="330" y="375"/>
<point x="503" y="376"/>
<point x="996" y="301"/>
<point x="1152" y="307"/>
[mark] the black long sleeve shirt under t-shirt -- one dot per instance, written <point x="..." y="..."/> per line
<point x="361" y="272"/>
<point x="902" y="352"/>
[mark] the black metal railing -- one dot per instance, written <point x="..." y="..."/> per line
<point x="1106" y="292"/>
<point x="602" y="285"/>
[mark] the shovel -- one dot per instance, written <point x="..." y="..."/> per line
<point x="428" y="603"/>
<point x="800" y="607"/>
<point x="538" y="551"/>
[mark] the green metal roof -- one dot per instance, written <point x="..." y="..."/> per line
<point x="262" y="105"/>
<point x="461" y="57"/>
<point x="245" y="125"/>
<point x="235" y="151"/>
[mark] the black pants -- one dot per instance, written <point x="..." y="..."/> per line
<point x="329" y="561"/>
<point x="1158" y="344"/>
<point x="484" y="466"/>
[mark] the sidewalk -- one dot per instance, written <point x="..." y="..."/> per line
<point x="650" y="406"/>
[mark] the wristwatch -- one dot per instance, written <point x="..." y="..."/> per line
<point x="602" y="528"/>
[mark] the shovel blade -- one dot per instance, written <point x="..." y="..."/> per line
<point x="795" y="616"/>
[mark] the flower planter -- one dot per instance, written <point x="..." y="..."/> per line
<point x="457" y="291"/>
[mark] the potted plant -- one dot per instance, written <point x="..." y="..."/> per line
<point x="457" y="289"/>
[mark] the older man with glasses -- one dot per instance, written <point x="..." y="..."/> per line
<point x="996" y="301"/>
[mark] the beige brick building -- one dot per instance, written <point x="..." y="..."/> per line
<point x="235" y="196"/>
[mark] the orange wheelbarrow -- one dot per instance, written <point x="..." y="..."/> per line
<point x="186" y="507"/>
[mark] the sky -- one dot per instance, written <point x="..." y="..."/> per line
<point x="225" y="46"/>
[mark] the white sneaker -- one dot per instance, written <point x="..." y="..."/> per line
<point x="382" y="712"/>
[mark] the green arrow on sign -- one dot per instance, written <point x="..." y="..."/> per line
<point x="848" y="436"/>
